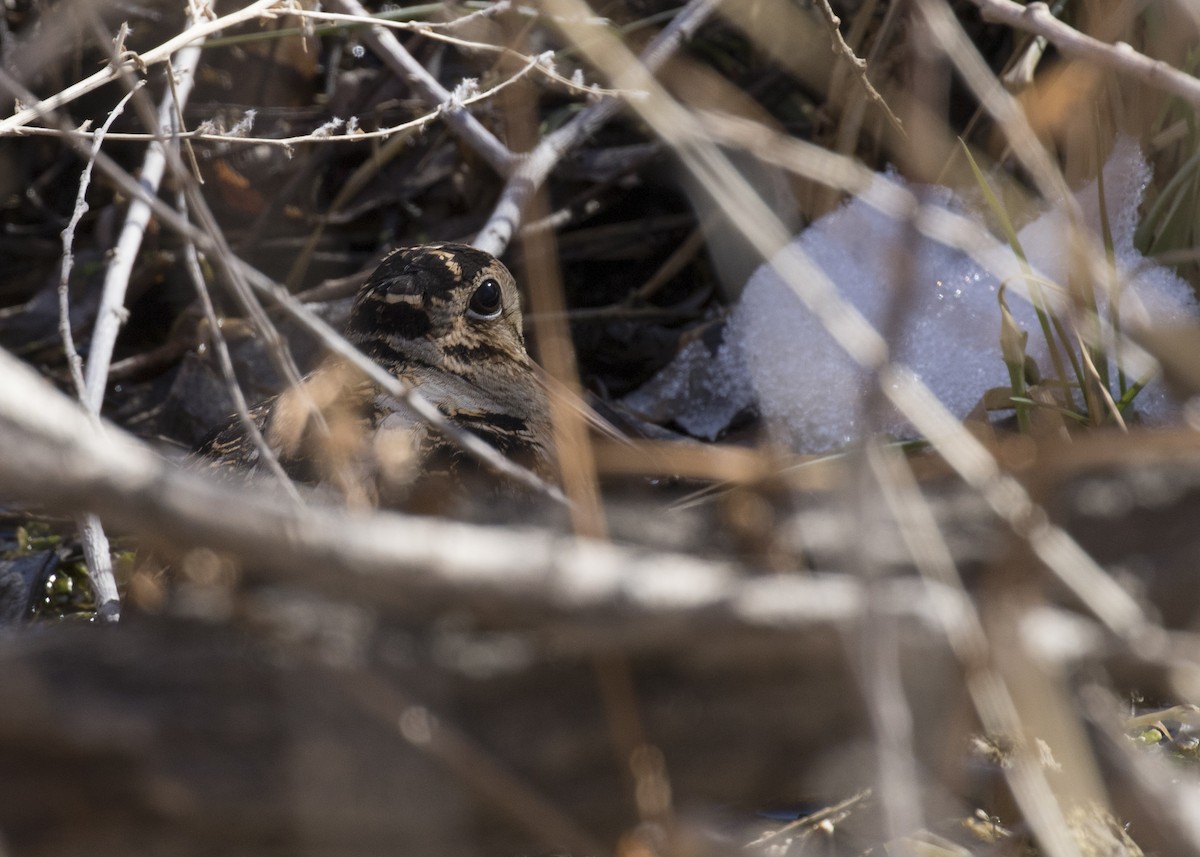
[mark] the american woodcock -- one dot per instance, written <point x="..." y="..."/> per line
<point x="446" y="319"/>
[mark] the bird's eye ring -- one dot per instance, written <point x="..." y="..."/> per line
<point x="486" y="301"/>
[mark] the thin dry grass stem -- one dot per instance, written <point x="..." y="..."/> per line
<point x="220" y="347"/>
<point x="859" y="66"/>
<point x="679" y="259"/>
<point x="465" y="126"/>
<point x="196" y="33"/>
<point x="963" y="627"/>
<point x="1097" y="383"/>
<point x="576" y="463"/>
<point x="152" y="359"/>
<point x="1052" y="735"/>
<point x="180" y="124"/>
<point x="852" y="118"/>
<point x="896" y="769"/>
<point x="1094" y="588"/>
<point x="556" y="350"/>
<point x="836" y="171"/>
<point x="1062" y="555"/>
<point x="949" y="36"/>
<point x="533" y="169"/>
<point x="901" y="286"/>
<point x="478" y="769"/>
<point x="724" y="464"/>
<point x="639" y="761"/>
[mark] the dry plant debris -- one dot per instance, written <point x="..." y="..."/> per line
<point x="981" y="643"/>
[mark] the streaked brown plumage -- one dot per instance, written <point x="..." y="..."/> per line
<point x="446" y="319"/>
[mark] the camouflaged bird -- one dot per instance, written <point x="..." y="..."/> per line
<point x="446" y="319"/>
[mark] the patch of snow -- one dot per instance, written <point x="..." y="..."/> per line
<point x="949" y="323"/>
<point x="702" y="390"/>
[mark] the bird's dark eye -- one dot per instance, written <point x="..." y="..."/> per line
<point x="485" y="303"/>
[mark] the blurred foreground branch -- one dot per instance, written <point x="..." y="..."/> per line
<point x="50" y="454"/>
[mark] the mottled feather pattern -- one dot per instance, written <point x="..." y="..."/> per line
<point x="444" y="318"/>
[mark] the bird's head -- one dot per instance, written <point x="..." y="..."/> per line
<point x="442" y="306"/>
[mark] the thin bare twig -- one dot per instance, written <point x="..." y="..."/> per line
<point x="879" y="635"/>
<point x="1036" y="18"/>
<point x="832" y="22"/>
<point x="532" y="171"/>
<point x="68" y="239"/>
<point x="469" y="129"/>
<point x="162" y="53"/>
<point x="990" y="695"/>
<point x="111" y="314"/>
<point x="544" y="64"/>
<point x="217" y="339"/>
<point x="322" y="136"/>
<point x="94" y="541"/>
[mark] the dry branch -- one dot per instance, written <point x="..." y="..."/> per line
<point x="859" y="66"/>
<point x="469" y="129"/>
<point x="534" y="168"/>
<point x="112" y="312"/>
<point x="587" y="596"/>
<point x="95" y="542"/>
<point x="33" y="109"/>
<point x="1037" y="19"/>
